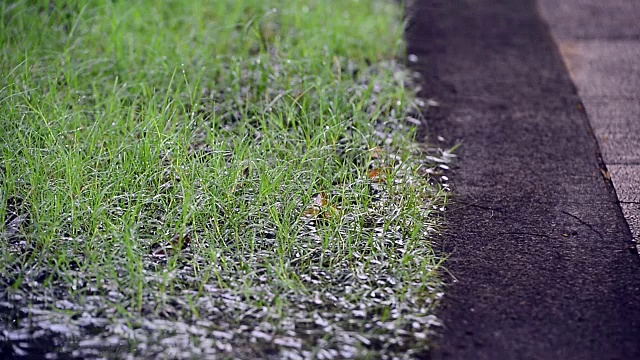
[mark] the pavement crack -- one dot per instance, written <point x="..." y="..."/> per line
<point x="487" y="208"/>
<point x="584" y="223"/>
<point x="526" y="233"/>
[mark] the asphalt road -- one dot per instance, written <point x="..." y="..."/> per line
<point x="542" y="254"/>
<point x="600" y="44"/>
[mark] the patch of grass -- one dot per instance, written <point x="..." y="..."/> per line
<point x="232" y="177"/>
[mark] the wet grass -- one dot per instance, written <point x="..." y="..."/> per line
<point x="232" y="178"/>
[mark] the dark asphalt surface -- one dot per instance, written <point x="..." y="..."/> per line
<point x="600" y="44"/>
<point x="542" y="255"/>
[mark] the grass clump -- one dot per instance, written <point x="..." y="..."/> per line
<point x="229" y="178"/>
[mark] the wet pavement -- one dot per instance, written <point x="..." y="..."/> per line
<point x="600" y="44"/>
<point x="542" y="256"/>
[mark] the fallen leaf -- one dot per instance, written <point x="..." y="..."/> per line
<point x="376" y="153"/>
<point x="379" y="174"/>
<point x="319" y="201"/>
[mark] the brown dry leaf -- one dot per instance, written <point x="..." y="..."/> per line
<point x="319" y="201"/>
<point x="376" y="152"/>
<point x="378" y="174"/>
<point x="311" y="211"/>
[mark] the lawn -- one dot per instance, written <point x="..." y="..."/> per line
<point x="228" y="179"/>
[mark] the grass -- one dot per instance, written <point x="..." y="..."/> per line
<point x="229" y="178"/>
